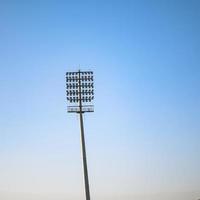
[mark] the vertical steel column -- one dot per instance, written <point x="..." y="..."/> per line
<point x="87" y="189"/>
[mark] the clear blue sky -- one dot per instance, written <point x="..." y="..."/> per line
<point x="142" y="139"/>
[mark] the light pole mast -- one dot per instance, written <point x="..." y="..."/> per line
<point x="80" y="93"/>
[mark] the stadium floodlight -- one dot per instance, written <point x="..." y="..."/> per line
<point x="80" y="91"/>
<point x="80" y="94"/>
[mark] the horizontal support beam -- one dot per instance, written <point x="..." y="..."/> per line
<point x="76" y="109"/>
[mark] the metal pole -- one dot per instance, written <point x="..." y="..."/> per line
<point x="87" y="189"/>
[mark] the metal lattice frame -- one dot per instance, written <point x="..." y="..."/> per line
<point x="80" y="89"/>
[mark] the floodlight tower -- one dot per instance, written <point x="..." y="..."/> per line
<point x="80" y="94"/>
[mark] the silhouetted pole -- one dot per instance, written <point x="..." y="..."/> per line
<point x="87" y="188"/>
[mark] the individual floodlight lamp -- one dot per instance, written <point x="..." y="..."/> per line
<point x="80" y="94"/>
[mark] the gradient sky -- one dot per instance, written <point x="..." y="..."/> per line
<point x="143" y="138"/>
